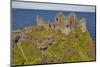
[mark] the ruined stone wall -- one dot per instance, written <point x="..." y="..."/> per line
<point x="39" y="20"/>
<point x="72" y="19"/>
<point x="59" y="17"/>
<point x="82" y="23"/>
<point x="63" y="23"/>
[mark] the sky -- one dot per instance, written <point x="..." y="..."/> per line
<point x="52" y="6"/>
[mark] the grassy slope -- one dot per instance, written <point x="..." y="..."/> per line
<point x="77" y="46"/>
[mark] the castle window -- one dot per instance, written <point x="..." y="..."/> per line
<point x="70" y="23"/>
<point x="54" y="26"/>
<point x="67" y="25"/>
<point x="49" y="25"/>
<point x="57" y="19"/>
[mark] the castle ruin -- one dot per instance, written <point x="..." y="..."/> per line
<point x="63" y="23"/>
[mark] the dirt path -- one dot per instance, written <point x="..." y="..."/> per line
<point x="18" y="44"/>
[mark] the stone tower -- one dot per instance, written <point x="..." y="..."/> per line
<point x="59" y="17"/>
<point x="39" y="20"/>
<point x="82" y="23"/>
<point x="72" y="20"/>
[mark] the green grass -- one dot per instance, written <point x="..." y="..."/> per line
<point x="77" y="46"/>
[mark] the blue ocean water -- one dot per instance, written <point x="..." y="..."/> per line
<point x="27" y="17"/>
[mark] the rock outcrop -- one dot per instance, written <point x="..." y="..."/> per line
<point x="44" y="43"/>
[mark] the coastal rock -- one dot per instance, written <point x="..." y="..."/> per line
<point x="17" y="39"/>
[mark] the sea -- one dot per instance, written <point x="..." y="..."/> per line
<point x="27" y="17"/>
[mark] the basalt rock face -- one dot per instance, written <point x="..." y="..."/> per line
<point x="66" y="39"/>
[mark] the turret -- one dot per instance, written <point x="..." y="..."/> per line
<point x="82" y="23"/>
<point x="72" y="20"/>
<point x="59" y="17"/>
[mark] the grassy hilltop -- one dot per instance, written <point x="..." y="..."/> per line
<point x="76" y="46"/>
